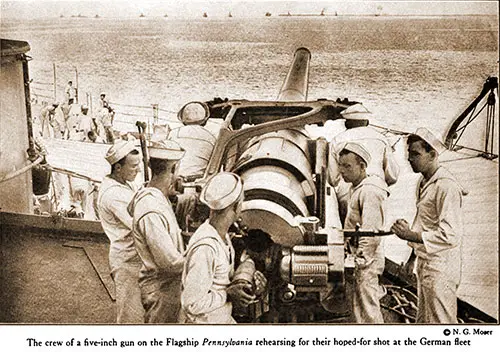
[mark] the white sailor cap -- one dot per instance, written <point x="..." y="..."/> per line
<point x="119" y="150"/>
<point x="102" y="93"/>
<point x="194" y="113"/>
<point x="356" y="112"/>
<point x="359" y="150"/>
<point x="431" y="138"/>
<point x="222" y="190"/>
<point x="165" y="149"/>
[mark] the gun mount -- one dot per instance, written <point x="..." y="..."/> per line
<point x="289" y="208"/>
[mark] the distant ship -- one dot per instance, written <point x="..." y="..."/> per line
<point x="205" y="14"/>
<point x="229" y="14"/>
<point x="97" y="16"/>
<point x="268" y="14"/>
<point x="165" y="15"/>
<point x="61" y="16"/>
<point x="142" y="15"/>
<point x="321" y="14"/>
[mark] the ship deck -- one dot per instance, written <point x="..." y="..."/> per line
<point x="42" y="270"/>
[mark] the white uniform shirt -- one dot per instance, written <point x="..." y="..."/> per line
<point x="70" y="92"/>
<point x="199" y="143"/>
<point x="207" y="273"/>
<point x="112" y="203"/>
<point x="366" y="207"/>
<point x="157" y="237"/>
<point x="439" y="219"/>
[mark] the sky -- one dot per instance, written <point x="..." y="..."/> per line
<point x="238" y="8"/>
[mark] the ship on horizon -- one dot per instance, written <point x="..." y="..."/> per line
<point x="321" y="14"/>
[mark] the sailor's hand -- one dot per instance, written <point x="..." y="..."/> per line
<point x="260" y="283"/>
<point x="401" y="228"/>
<point x="239" y="295"/>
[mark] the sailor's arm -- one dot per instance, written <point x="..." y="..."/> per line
<point x="371" y="201"/>
<point x="449" y="230"/>
<point x="157" y="233"/>
<point x="198" y="297"/>
<point x="401" y="228"/>
<point x="116" y="202"/>
<point x="390" y="166"/>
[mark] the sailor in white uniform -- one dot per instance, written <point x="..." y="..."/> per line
<point x="367" y="196"/>
<point x="157" y="236"/>
<point x="436" y="233"/>
<point x="115" y="193"/>
<point x="207" y="293"/>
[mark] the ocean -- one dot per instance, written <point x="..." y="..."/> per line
<point x="408" y="71"/>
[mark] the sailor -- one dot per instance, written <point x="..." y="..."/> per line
<point x="105" y="117"/>
<point x="383" y="162"/>
<point x="198" y="142"/>
<point x="80" y="189"/>
<point x="207" y="293"/>
<point x="158" y="237"/>
<point x="60" y="119"/>
<point x="366" y="210"/>
<point x="195" y="138"/>
<point x="46" y="118"/>
<point x="70" y="93"/>
<point x="93" y="137"/>
<point x="103" y="102"/>
<point x="85" y="123"/>
<point x="116" y="192"/>
<point x="436" y="233"/>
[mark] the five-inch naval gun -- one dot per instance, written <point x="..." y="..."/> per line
<point x="290" y="211"/>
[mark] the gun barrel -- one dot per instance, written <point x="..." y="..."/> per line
<point x="297" y="80"/>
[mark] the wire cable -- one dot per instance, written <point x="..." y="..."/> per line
<point x="22" y="170"/>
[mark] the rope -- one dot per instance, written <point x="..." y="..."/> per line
<point x="469" y="121"/>
<point x="490" y="156"/>
<point x="130" y="114"/>
<point x="132" y="106"/>
<point x="42" y="83"/>
<point x="464" y="158"/>
<point x="125" y="122"/>
<point x="70" y="173"/>
<point x="168" y="111"/>
<point x="21" y="170"/>
<point x="42" y="91"/>
<point x="402" y="289"/>
<point x="391" y="130"/>
<point x="490" y="116"/>
<point x="43" y="96"/>
<point x="397" y="293"/>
